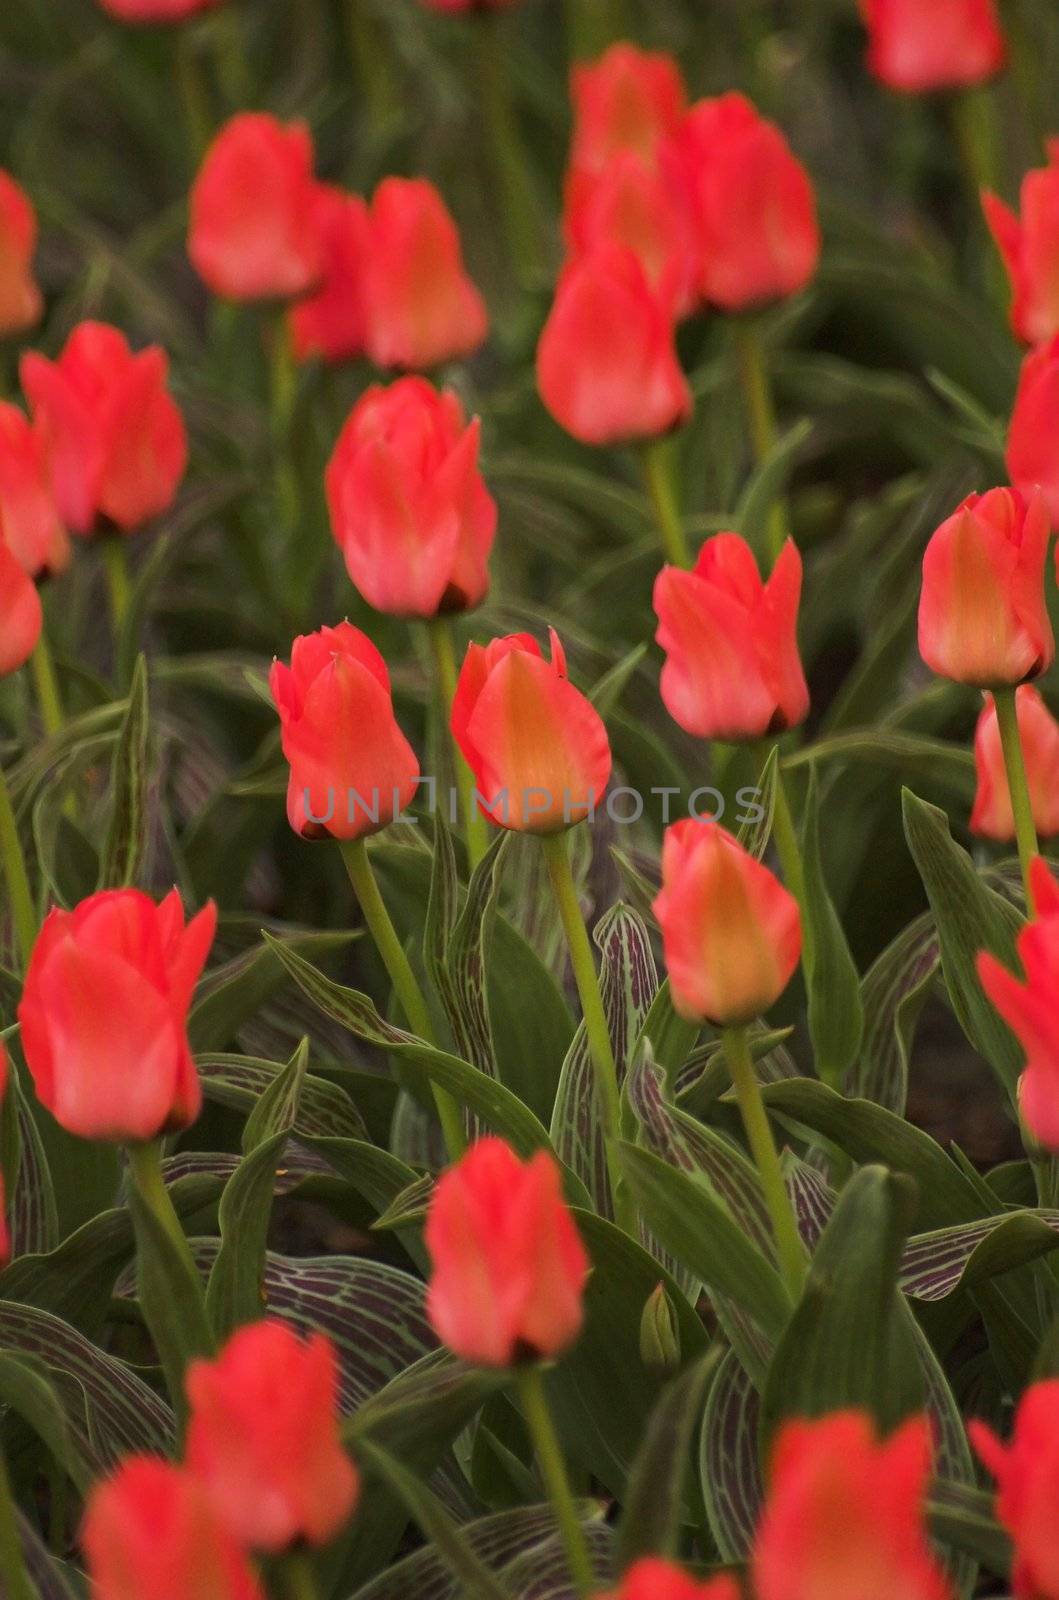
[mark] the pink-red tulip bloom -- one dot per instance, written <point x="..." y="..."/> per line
<point x="1029" y="244"/>
<point x="332" y="321"/>
<point x="21" y="617"/>
<point x="20" y="298"/>
<point x="1032" y="459"/>
<point x="654" y="1579"/>
<point x="992" y="816"/>
<point x="29" y="521"/>
<point x="1027" y="1474"/>
<point x="629" y="100"/>
<point x="647" y="209"/>
<point x="916" y="46"/>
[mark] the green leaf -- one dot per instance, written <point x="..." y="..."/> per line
<point x="962" y="1517"/>
<point x="768" y="483"/>
<point x="126" y="839"/>
<point x="893" y="993"/>
<point x="26" y="1388"/>
<point x="836" y="1016"/>
<point x="730" y="1472"/>
<point x="653" y="1509"/>
<point x="228" y="996"/>
<point x="170" y="1296"/>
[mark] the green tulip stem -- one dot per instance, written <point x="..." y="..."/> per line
<point x="23" y="911"/>
<point x="47" y="687"/>
<point x="538" y="1418"/>
<point x="661" y="491"/>
<point x="145" y="1167"/>
<point x="114" y="564"/>
<point x="1015" y="766"/>
<point x="439" y="631"/>
<point x="298" y="1576"/>
<point x="789" y="1248"/>
<point x="761" y="416"/>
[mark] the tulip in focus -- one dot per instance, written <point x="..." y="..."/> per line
<point x="509" y="1267"/>
<point x="332" y="321"/>
<point x="29" y="521"/>
<point x="916" y="46"/>
<point x="629" y="100"/>
<point x="607" y="366"/>
<point x="1027" y="1474"/>
<point x="537" y="747"/>
<point x="21" y="616"/>
<point x="731" y="932"/>
<point x="422" y="307"/>
<point x="21" y="302"/>
<point x="992" y="816"/>
<point x="732" y="668"/>
<point x="409" y="509"/>
<point x="351" y="768"/>
<point x="254" y="230"/>
<point x="1032" y="458"/>
<point x="104" y="1015"/>
<point x="1029" y="1008"/>
<point x="982" y="616"/>
<point x="115" y="439"/>
<point x="654" y="1579"/>
<point x="150" y="1529"/>
<point x="1029" y="245"/>
<point x="263" y="1438"/>
<point x="645" y="209"/>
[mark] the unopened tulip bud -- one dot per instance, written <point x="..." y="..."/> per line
<point x="659" y="1332"/>
<point x="332" y="321"/>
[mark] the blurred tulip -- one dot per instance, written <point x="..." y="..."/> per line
<point x="156" y="10"/>
<point x="919" y="45"/>
<point x="21" y="302"/>
<point x="455" y="6"/>
<point x="422" y="307"/>
<point x="115" y="439"/>
<point x="654" y="1579"/>
<point x="732" y="667"/>
<point x="263" y="1438"/>
<point x="409" y="509"/>
<point x="254" y="229"/>
<point x="104" y="1015"/>
<point x="982" y="615"/>
<point x="1029" y="245"/>
<point x="1029" y="1008"/>
<point x="1032" y="458"/>
<point x="150" y="1529"/>
<point x="332" y="321"/>
<point x="352" y="769"/>
<point x="992" y="816"/>
<point x="29" y="521"/>
<point x="509" y="1267"/>
<point x="643" y="208"/>
<point x="628" y="100"/>
<point x="1027" y="1474"/>
<point x="607" y="366"/>
<point x="845" y="1514"/>
<point x="21" y="617"/>
<point x="537" y="747"/>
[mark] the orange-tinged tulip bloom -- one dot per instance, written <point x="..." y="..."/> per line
<point x="104" y="1014"/>
<point x="919" y="45"/>
<point x="1029" y="1008"/>
<point x="844" y="1514"/>
<point x="21" y="617"/>
<point x="628" y="100"/>
<point x="537" y="747"/>
<point x="1027" y="1474"/>
<point x="731" y="932"/>
<point x="20" y="299"/>
<point x="645" y="208"/>
<point x="423" y="308"/>
<point x="1029" y="245"/>
<point x="509" y="1267"/>
<point x="351" y="768"/>
<point x="409" y="509"/>
<point x="732" y="666"/>
<point x="263" y="1438"/>
<point x="607" y="366"/>
<point x="150" y="1530"/>
<point x="155" y="10"/>
<point x="654" y="1579"/>
<point x="254" y="227"/>
<point x="29" y="521"/>
<point x="332" y="321"/>
<point x="982" y="616"/>
<point x="1032" y="459"/>
<point x="115" y="439"/>
<point x="992" y="816"/>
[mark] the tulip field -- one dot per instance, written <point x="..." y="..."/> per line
<point x="529" y="795"/>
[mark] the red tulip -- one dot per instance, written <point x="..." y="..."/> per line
<point x="538" y="749"/>
<point x="332" y="321"/>
<point x="254" y="229"/>
<point x="732" y="667"/>
<point x="408" y="506"/>
<point x="455" y="6"/>
<point x="753" y="205"/>
<point x="509" y="1267"/>
<point x="845" y="1514"/>
<point x="653" y="1579"/>
<point x="1029" y="1008"/>
<point x="1027" y="1474"/>
<point x="115" y="439"/>
<point x="607" y="366"/>
<point x="628" y="100"/>
<point x="982" y="616"/>
<point x="263" y="1438"/>
<point x="919" y="45"/>
<point x="1032" y="459"/>
<point x="21" y="302"/>
<point x="645" y="209"/>
<point x="29" y="522"/>
<point x="104" y="1015"/>
<point x="992" y="816"/>
<point x="352" y="769"/>
<point x="21" y="617"/>
<point x="423" y="309"/>
<point x="1030" y="247"/>
<point x="150" y="1530"/>
<point x="731" y="932"/>
<point x="155" y="10"/>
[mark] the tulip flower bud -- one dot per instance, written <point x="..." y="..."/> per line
<point x="1029" y="246"/>
<point x="732" y="933"/>
<point x="629" y="100"/>
<point x="732" y="668"/>
<point x="659" y="1332"/>
<point x="263" y="1438"/>
<point x="150" y="1530"/>
<point x="332" y="321"/>
<point x="29" y="522"/>
<point x="1032" y="459"/>
<point x="845" y="1514"/>
<point x="537" y="747"/>
<point x="916" y="46"/>
<point x="253" y="232"/>
<point x="422" y="307"/>
<point x="352" y="771"/>
<point x="655" y="1579"/>
<point x="21" y="302"/>
<point x="104" y="1015"/>
<point x="408" y="506"/>
<point x="982" y="616"/>
<point x="607" y="366"/>
<point x="21" y="616"/>
<point x="1027" y="1471"/>
<point x="992" y="816"/>
<point x="643" y="208"/>
<point x="509" y="1267"/>
<point x="115" y="440"/>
